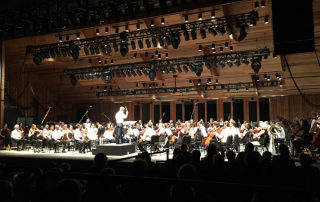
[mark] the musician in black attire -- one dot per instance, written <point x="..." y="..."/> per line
<point x="5" y="135"/>
<point x="299" y="137"/>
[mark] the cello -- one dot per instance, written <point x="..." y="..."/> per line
<point x="208" y="139"/>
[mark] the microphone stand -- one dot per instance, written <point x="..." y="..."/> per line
<point x="45" y="115"/>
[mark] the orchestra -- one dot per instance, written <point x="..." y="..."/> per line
<point x="84" y="137"/>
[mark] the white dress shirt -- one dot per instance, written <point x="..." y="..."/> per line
<point x="203" y="131"/>
<point x="77" y="135"/>
<point x="46" y="133"/>
<point x="120" y="116"/>
<point x="148" y="134"/>
<point x="108" y="135"/>
<point x="92" y="133"/>
<point x="56" y="135"/>
<point x="193" y="131"/>
<point x="16" y="134"/>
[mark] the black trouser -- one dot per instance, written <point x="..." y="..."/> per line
<point x="237" y="140"/>
<point x="56" y="144"/>
<point x="143" y="146"/>
<point x="298" y="143"/>
<point x="16" y="143"/>
<point x="7" y="141"/>
<point x="119" y="133"/>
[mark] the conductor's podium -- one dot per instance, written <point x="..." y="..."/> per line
<point x="113" y="149"/>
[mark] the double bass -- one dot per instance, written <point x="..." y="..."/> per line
<point x="208" y="139"/>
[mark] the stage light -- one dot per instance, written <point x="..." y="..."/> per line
<point x="37" y="59"/>
<point x="266" y="20"/>
<point x="237" y="62"/>
<point x="185" y="68"/>
<point x="255" y="64"/>
<point x="78" y="36"/>
<point x="90" y="61"/>
<point x="106" y="30"/>
<point x="73" y="80"/>
<point x="265" y="76"/>
<point x="198" y="70"/>
<point x="139" y="72"/>
<point x="152" y="57"/>
<point x="175" y="40"/>
<point x="193" y="34"/>
<point x="97" y="32"/>
<point x="105" y="62"/>
<point x="263" y="4"/>
<point x="208" y="80"/>
<point x="137" y="85"/>
<point x="67" y="37"/>
<point x="203" y="33"/>
<point x="161" y="42"/>
<point x="96" y="50"/>
<point x="159" y="56"/>
<point x="57" y="51"/>
<point x="231" y="48"/>
<point x="268" y="78"/>
<point x="222" y="63"/>
<point x="144" y="71"/>
<point x="133" y="45"/>
<point x="133" y="73"/>
<point x="135" y="55"/>
<point x="86" y="51"/>
<point x="214" y="63"/>
<point x="152" y="23"/>
<point x="111" y="61"/>
<point x="117" y="30"/>
<point x="229" y="30"/>
<point x="162" y="84"/>
<point x="123" y="74"/>
<point x="140" y="43"/>
<point x="103" y="49"/>
<point x="256" y="4"/>
<point x="186" y="18"/>
<point x="244" y="61"/>
<point x="191" y="67"/>
<point x="212" y="31"/>
<point x="60" y="39"/>
<point x="92" y="51"/>
<point x="226" y="44"/>
<point x="148" y="43"/>
<point x="207" y="62"/>
<point x="146" y="54"/>
<point x="190" y="81"/>
<point x="124" y="49"/>
<point x="108" y="47"/>
<point x="168" y="40"/>
<point x="154" y="42"/>
<point x="274" y="55"/>
<point x="64" y="52"/>
<point x="186" y="35"/>
<point x="213" y="46"/>
<point x="247" y="88"/>
<point x="281" y="84"/>
<point x="52" y="53"/>
<point x="179" y="68"/>
<point x="152" y="72"/>
<point x="162" y="21"/>
<point x="217" y="81"/>
<point x="128" y="73"/>
<point x="199" y="16"/>
<point x="99" y="60"/>
<point x="138" y="27"/>
<point x="221" y="49"/>
<point x="229" y="62"/>
<point x="167" y="55"/>
<point x="243" y="33"/>
<point x="108" y="76"/>
<point x="200" y="48"/>
<point x="252" y="21"/>
<point x="199" y="82"/>
<point x="127" y="28"/>
<point x="213" y="14"/>
<point x="115" y="46"/>
<point x="220" y="29"/>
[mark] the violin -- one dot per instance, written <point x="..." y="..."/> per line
<point x="173" y="136"/>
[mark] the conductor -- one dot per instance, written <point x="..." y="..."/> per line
<point x="120" y="116"/>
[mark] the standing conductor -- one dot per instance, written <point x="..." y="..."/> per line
<point x="120" y="116"/>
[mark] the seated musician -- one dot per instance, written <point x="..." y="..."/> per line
<point x="64" y="138"/>
<point x="79" y="138"/>
<point x="145" y="139"/>
<point x="183" y="132"/>
<point x="56" y="136"/>
<point x="46" y="136"/>
<point x="136" y="131"/>
<point x="260" y="134"/>
<point x="223" y="133"/>
<point x="35" y="137"/>
<point x="202" y="129"/>
<point x="315" y="131"/>
<point x="109" y="134"/>
<point x="92" y="136"/>
<point x="101" y="130"/>
<point x="299" y="136"/>
<point x="16" y="138"/>
<point x="86" y="142"/>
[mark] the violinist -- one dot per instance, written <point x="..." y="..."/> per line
<point x="35" y="136"/>
<point x="46" y="136"/>
<point x="222" y="132"/>
<point x="109" y="134"/>
<point x="260" y="134"/>
<point x="183" y="132"/>
<point x="146" y="138"/>
<point x="79" y="138"/>
<point x="5" y="135"/>
<point x="136" y="131"/>
<point x="243" y="136"/>
<point x="56" y="136"/>
<point x="16" y="138"/>
<point x="298" y="137"/>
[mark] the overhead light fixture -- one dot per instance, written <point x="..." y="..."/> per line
<point x="256" y="64"/>
<point x="229" y="62"/>
<point x="111" y="61"/>
<point x="133" y="45"/>
<point x="148" y="43"/>
<point x="159" y="56"/>
<point x="115" y="46"/>
<point x="97" y="32"/>
<point x="154" y="42"/>
<point x="117" y="30"/>
<point x="213" y="14"/>
<point x="203" y="33"/>
<point x="265" y="76"/>
<point x="263" y="3"/>
<point x="190" y="81"/>
<point x="186" y="35"/>
<point x="200" y="48"/>
<point x="222" y="63"/>
<point x="108" y="76"/>
<point x="127" y="28"/>
<point x="108" y="48"/>
<point x="185" y="68"/>
<point x="139" y="72"/>
<point x="281" y="84"/>
<point x="199" y="16"/>
<point x="226" y="44"/>
<point x="268" y="78"/>
<point x="221" y="49"/>
<point x="152" y="23"/>
<point x="199" y="82"/>
<point x="86" y="51"/>
<point x="231" y="48"/>
<point x="212" y="31"/>
<point x="162" y="21"/>
<point x="60" y="39"/>
<point x="256" y="4"/>
<point x="274" y="55"/>
<point x="229" y="29"/>
<point x="167" y="55"/>
<point x="152" y="72"/>
<point x="244" y="60"/>
<point x="78" y="36"/>
<point x="106" y="30"/>
<point x="179" y="68"/>
<point x="220" y="29"/>
<point x="193" y="34"/>
<point x="105" y="62"/>
<point x="208" y="80"/>
<point x="186" y="18"/>
<point x="266" y="20"/>
<point x="135" y="55"/>
<point x="217" y="81"/>
<point x="138" y="27"/>
<point x="213" y="46"/>
<point x="237" y="62"/>
<point x="140" y="43"/>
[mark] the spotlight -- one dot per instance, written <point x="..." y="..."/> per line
<point x="139" y="72"/>
<point x="105" y="62"/>
<point x="118" y="74"/>
<point x="193" y="34"/>
<point x="162" y="21"/>
<point x="96" y="50"/>
<point x="86" y="51"/>
<point x="111" y="61"/>
<point x="244" y="61"/>
<point x="203" y="33"/>
<point x="152" y="57"/>
<point x="159" y="56"/>
<point x="133" y="73"/>
<point x="279" y="77"/>
<point x="152" y="23"/>
<point x="135" y="55"/>
<point x="144" y="71"/>
<point x="115" y="46"/>
<point x="200" y="16"/>
<point x="226" y="44"/>
<point x="191" y="68"/>
<point x="58" y="53"/>
<point x="199" y="82"/>
<point x="161" y="42"/>
<point x="97" y="32"/>
<point x="140" y="43"/>
<point x="179" y="68"/>
<point x="214" y="63"/>
<point x="175" y="40"/>
<point x="190" y="81"/>
<point x="208" y="80"/>
<point x="266" y="20"/>
<point x="222" y="63"/>
<point x="168" y="40"/>
<point x="212" y="31"/>
<point x="133" y="45"/>
<point x="198" y="70"/>
<point x="213" y="46"/>
<point x="247" y="88"/>
<point x="103" y="49"/>
<point x="108" y="47"/>
<point x="274" y="55"/>
<point x="148" y="43"/>
<point x="256" y="4"/>
<point x="124" y="49"/>
<point x="152" y="72"/>
<point x="252" y="21"/>
<point x="185" y="68"/>
<point x="281" y="84"/>
<point x="237" y="62"/>
<point x="106" y="30"/>
<point x="128" y="73"/>
<point x="52" y="53"/>
<point x="146" y="54"/>
<point x="37" y="59"/>
<point x="137" y="84"/>
<point x="268" y="78"/>
<point x="123" y="74"/>
<point x="78" y="36"/>
<point x="92" y="51"/>
<point x="263" y="4"/>
<point x="108" y="76"/>
<point x="127" y="28"/>
<point x="221" y="49"/>
<point x="73" y="80"/>
<point x="90" y="61"/>
<point x="60" y="39"/>
<point x="255" y="64"/>
<point x="213" y="14"/>
<point x="186" y="18"/>
<point x="186" y="35"/>
<point x="167" y="55"/>
<point x="138" y="27"/>
<point x="117" y="30"/>
<point x="154" y="42"/>
<point x="217" y="81"/>
<point x="64" y="52"/>
<point x="229" y="62"/>
<point x="200" y="48"/>
<point x="99" y="60"/>
<point x="220" y="29"/>
<point x="231" y="48"/>
<point x="243" y="33"/>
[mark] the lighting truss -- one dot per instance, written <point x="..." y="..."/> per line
<point x="159" y="65"/>
<point x="172" y="32"/>
<point x="187" y="89"/>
